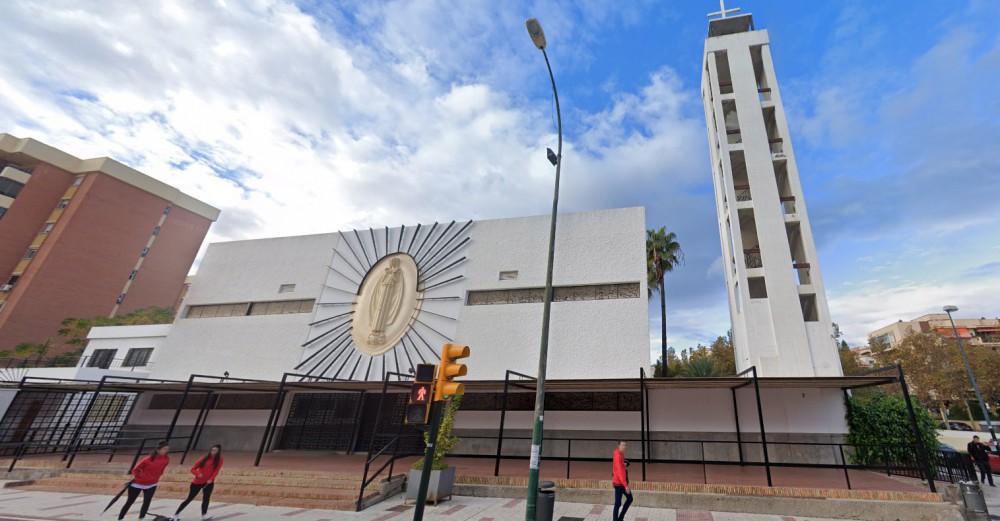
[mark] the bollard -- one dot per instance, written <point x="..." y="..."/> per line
<point x="972" y="496"/>
<point x="545" y="505"/>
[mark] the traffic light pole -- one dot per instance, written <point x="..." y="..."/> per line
<point x="425" y="475"/>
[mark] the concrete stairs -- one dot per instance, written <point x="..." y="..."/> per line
<point x="298" y="489"/>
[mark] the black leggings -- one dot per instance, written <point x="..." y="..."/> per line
<point x="133" y="493"/>
<point x="206" y="496"/>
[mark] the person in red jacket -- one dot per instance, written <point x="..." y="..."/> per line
<point x="619" y="478"/>
<point x="205" y="471"/>
<point x="145" y="477"/>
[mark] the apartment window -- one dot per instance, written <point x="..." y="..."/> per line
<point x="166" y="210"/>
<point x="156" y="231"/>
<point x="102" y="358"/>
<point x="120" y="299"/>
<point x="137" y="357"/>
<point x="508" y="275"/>
<point x="133" y="274"/>
<point x="286" y="288"/>
<point x="31" y="253"/>
<point x="145" y="251"/>
<point x="10" y="187"/>
<point x="63" y="204"/>
<point x="78" y="181"/>
<point x="48" y="227"/>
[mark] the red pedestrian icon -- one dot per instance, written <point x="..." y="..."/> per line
<point x="421" y="394"/>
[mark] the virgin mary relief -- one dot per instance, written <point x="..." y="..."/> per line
<point x="385" y="303"/>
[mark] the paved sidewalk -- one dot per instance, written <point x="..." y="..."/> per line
<point x="17" y="505"/>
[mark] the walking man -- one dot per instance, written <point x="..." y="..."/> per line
<point x="981" y="455"/>
<point x="619" y="473"/>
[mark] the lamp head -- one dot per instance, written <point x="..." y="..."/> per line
<point x="536" y="32"/>
<point x="553" y="158"/>
<point x="950" y="309"/>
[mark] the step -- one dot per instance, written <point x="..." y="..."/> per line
<point x="346" y="502"/>
<point x="110" y="487"/>
<point x="351" y="482"/>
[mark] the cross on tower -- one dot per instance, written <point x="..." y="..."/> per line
<point x="722" y="12"/>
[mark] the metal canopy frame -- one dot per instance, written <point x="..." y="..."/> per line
<point x="750" y="377"/>
<point x="330" y="384"/>
<point x="211" y="386"/>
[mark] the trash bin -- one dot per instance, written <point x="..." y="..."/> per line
<point x="972" y="496"/>
<point x="545" y="505"/>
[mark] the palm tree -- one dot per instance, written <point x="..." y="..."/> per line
<point x="700" y="367"/>
<point x="663" y="252"/>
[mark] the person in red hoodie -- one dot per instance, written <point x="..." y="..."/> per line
<point x="146" y="475"/>
<point x="619" y="478"/>
<point x="205" y="471"/>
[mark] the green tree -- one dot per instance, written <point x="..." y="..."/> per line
<point x="932" y="365"/>
<point x="880" y="429"/>
<point x="29" y="349"/>
<point x="722" y="353"/>
<point x="663" y="252"/>
<point x="849" y="360"/>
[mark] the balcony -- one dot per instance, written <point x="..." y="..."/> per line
<point x="742" y="193"/>
<point x="752" y="258"/>
<point x="733" y="137"/>
<point x="764" y="94"/>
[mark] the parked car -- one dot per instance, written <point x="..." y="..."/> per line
<point x="956" y="426"/>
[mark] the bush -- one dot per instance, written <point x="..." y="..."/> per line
<point x="881" y="431"/>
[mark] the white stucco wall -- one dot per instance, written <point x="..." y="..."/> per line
<point x="589" y="339"/>
<point x="123" y="338"/>
<point x="249" y="346"/>
<point x="803" y="411"/>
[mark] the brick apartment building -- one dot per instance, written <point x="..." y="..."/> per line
<point x="87" y="237"/>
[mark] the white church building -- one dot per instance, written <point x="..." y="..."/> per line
<point x="292" y="342"/>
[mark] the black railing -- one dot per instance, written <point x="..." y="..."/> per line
<point x="115" y="363"/>
<point x="64" y="360"/>
<point x="752" y="258"/>
<point x="948" y="466"/>
<point x="70" y="449"/>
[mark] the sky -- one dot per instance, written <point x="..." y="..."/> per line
<point x="317" y="116"/>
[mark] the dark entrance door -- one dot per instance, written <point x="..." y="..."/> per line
<point x="321" y="421"/>
<point x="391" y="424"/>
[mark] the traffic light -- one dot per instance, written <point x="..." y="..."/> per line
<point x="446" y="386"/>
<point x="418" y="406"/>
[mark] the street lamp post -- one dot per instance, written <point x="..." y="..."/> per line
<point x="975" y="386"/>
<point x="538" y="38"/>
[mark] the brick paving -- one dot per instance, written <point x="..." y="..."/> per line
<point x="50" y="506"/>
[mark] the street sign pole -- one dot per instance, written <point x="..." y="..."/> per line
<point x="425" y="475"/>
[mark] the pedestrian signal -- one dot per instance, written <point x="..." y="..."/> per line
<point x="418" y="406"/>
